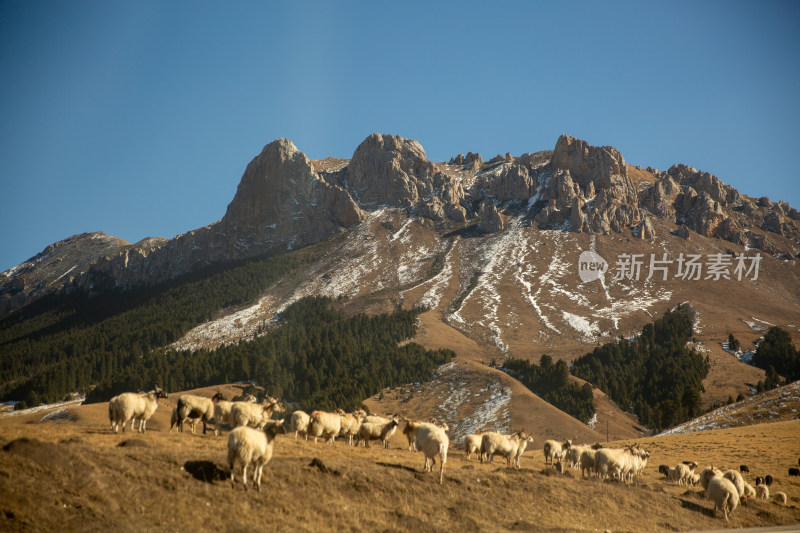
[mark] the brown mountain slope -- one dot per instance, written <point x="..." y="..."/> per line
<point x="77" y="476"/>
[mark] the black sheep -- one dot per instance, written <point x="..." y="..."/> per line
<point x="744" y="469"/>
<point x="794" y="471"/>
<point x="768" y="480"/>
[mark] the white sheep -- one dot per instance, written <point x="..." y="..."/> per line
<point x="738" y="481"/>
<point x="555" y="450"/>
<point x="472" y="444"/>
<point x="253" y="415"/>
<point x="523" y="444"/>
<point x="248" y="446"/>
<point x="133" y="406"/>
<point x="620" y="462"/>
<point x="432" y="440"/>
<point x="504" y="445"/>
<point x="351" y="422"/>
<point x="573" y="454"/>
<point x="762" y="491"/>
<point x="195" y="408"/>
<point x="409" y="431"/>
<point x="780" y="497"/>
<point x="749" y="491"/>
<point x="370" y="431"/>
<point x="720" y="490"/>
<point x="638" y="462"/>
<point x="222" y="411"/>
<point x="324" y="424"/>
<point x="587" y="461"/>
<point x="682" y="473"/>
<point x="377" y="419"/>
<point x="300" y="421"/>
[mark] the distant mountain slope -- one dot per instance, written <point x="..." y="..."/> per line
<point x="491" y="248"/>
<point x="776" y="405"/>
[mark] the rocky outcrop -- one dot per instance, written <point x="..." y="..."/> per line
<point x="508" y="181"/>
<point x="282" y="202"/>
<point x="389" y="170"/>
<point x="490" y="219"/>
<point x="603" y="167"/>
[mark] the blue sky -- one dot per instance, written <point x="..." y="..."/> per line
<point x="138" y="118"/>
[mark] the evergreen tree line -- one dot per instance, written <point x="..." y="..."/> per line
<point x="551" y="383"/>
<point x="777" y="355"/>
<point x="655" y="375"/>
<point x="65" y="343"/>
<point x="317" y="359"/>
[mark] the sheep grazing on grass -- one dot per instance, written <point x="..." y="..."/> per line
<point x="762" y="491"/>
<point x="133" y="406"/>
<point x="195" y="408"/>
<point x="624" y="463"/>
<point x="472" y="444"/>
<point x="780" y="497"/>
<point x="351" y="423"/>
<point x="255" y="415"/>
<point x="768" y="480"/>
<point x="738" y="481"/>
<point x="248" y="446"/>
<point x="682" y="473"/>
<point x="720" y="490"/>
<point x="554" y="450"/>
<point x="300" y="421"/>
<point x="744" y="469"/>
<point x="370" y="431"/>
<point x="664" y="470"/>
<point x="432" y="440"/>
<point x="749" y="491"/>
<point x="325" y="425"/>
<point x="794" y="472"/>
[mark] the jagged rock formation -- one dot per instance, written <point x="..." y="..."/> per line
<point x="282" y="203"/>
<point x="490" y="219"/>
<point x="282" y="199"/>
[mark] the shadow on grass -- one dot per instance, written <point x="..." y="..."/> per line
<point x="692" y="506"/>
<point x="205" y="471"/>
<point x="399" y="467"/>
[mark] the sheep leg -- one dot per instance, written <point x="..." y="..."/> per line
<point x="244" y="476"/>
<point x="257" y="477"/>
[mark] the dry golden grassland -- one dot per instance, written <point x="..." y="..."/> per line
<point x="77" y="475"/>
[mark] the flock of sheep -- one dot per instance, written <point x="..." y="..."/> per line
<point x="726" y="489"/>
<point x="250" y="443"/>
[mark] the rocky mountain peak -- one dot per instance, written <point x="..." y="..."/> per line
<point x="601" y="166"/>
<point x="389" y="170"/>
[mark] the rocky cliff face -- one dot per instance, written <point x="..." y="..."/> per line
<point x="59" y="264"/>
<point x="282" y="203"/>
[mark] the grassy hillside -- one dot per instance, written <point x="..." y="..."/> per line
<point x="76" y="475"/>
